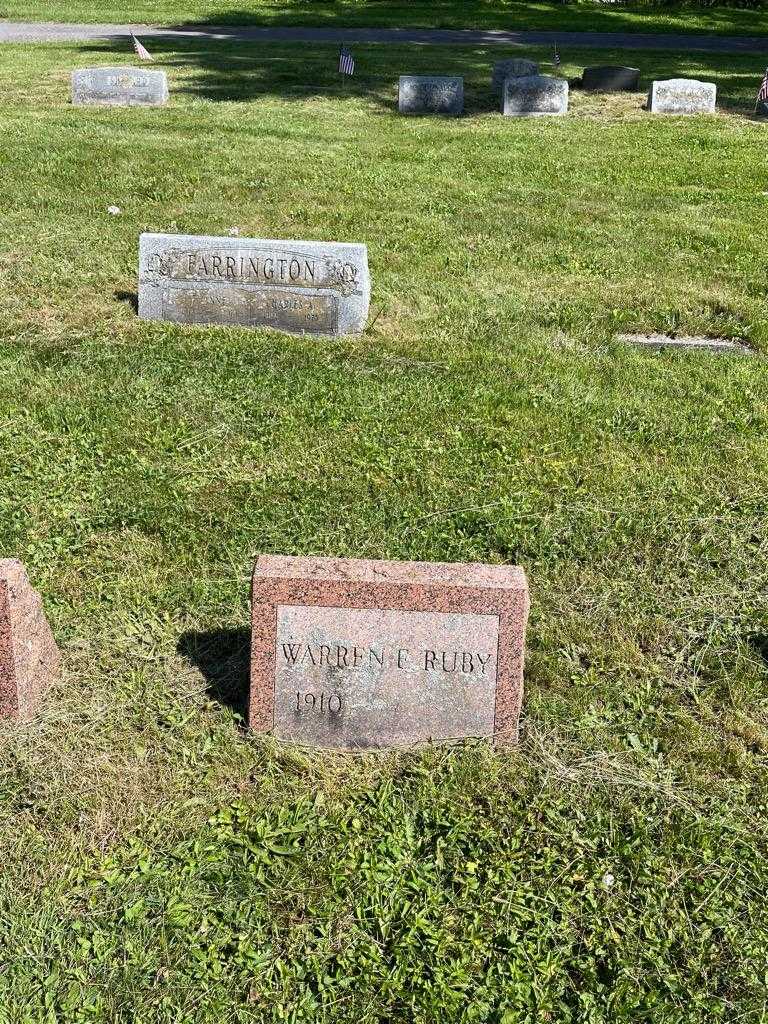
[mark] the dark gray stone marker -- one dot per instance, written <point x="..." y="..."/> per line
<point x="119" y="87"/>
<point x="298" y="287"/>
<point x="610" y="78"/>
<point x="431" y="94"/>
<point x="534" y="96"/>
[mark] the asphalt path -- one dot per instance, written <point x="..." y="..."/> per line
<point x="58" y="32"/>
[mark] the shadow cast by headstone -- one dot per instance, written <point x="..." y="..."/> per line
<point x="759" y="644"/>
<point x="223" y="657"/>
<point x="130" y="298"/>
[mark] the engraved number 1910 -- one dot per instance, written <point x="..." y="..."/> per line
<point x="320" y="703"/>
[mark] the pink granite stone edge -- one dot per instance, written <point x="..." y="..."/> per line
<point x="511" y="604"/>
<point x="372" y="570"/>
<point x="29" y="656"/>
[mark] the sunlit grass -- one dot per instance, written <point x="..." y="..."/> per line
<point x="159" y="864"/>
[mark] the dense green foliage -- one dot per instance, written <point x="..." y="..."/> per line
<point x="160" y="865"/>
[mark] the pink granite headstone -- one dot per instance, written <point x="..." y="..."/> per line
<point x="354" y="654"/>
<point x="29" y="657"/>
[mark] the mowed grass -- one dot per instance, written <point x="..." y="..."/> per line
<point x="160" y="864"/>
<point x="586" y="15"/>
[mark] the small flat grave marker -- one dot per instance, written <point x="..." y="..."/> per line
<point x="119" y="87"/>
<point x="29" y="657"/>
<point x="354" y="654"/>
<point x="659" y="342"/>
<point x="431" y="94"/>
<point x="682" y="96"/>
<point x="298" y="287"/>
<point x="535" y="96"/>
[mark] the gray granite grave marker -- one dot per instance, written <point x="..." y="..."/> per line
<point x="430" y="94"/>
<point x="517" y="67"/>
<point x="534" y="96"/>
<point x="682" y="96"/>
<point x="119" y="87"/>
<point x="298" y="287"/>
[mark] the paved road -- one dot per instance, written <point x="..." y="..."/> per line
<point x="52" y="32"/>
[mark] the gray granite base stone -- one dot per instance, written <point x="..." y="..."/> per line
<point x="431" y="94"/>
<point x="292" y="286"/>
<point x="610" y="78"/>
<point x="535" y="96"/>
<point x="119" y="87"/>
<point x="659" y="342"/>
<point x="682" y="96"/>
<point x="518" y="67"/>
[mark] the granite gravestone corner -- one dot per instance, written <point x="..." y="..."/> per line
<point x="534" y="96"/>
<point x="611" y="78"/>
<point x="682" y="96"/>
<point x="119" y="87"/>
<point x="353" y="655"/>
<point x="300" y="287"/>
<point x="517" y="67"/>
<point x="431" y="94"/>
<point x="29" y="657"/>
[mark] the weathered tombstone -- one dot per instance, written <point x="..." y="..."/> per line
<point x="29" y="657"/>
<point x="517" y="67"/>
<point x="298" y="287"/>
<point x="534" y="96"/>
<point x="682" y="96"/>
<point x="119" y="87"/>
<point x="430" y="94"/>
<point x="361" y="654"/>
<point x="611" y="78"/>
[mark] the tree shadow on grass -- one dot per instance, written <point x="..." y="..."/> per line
<point x="223" y="657"/>
<point x="227" y="70"/>
<point x="223" y="70"/>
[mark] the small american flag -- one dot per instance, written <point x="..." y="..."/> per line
<point x="762" y="96"/>
<point x="142" y="51"/>
<point x="346" y="62"/>
<point x="556" y="57"/>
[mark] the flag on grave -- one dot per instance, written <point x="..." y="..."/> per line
<point x="142" y="51"/>
<point x="762" y="96"/>
<point x="556" y="57"/>
<point x="346" y="62"/>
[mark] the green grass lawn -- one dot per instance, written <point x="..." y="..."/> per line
<point x="160" y="865"/>
<point x="483" y="14"/>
